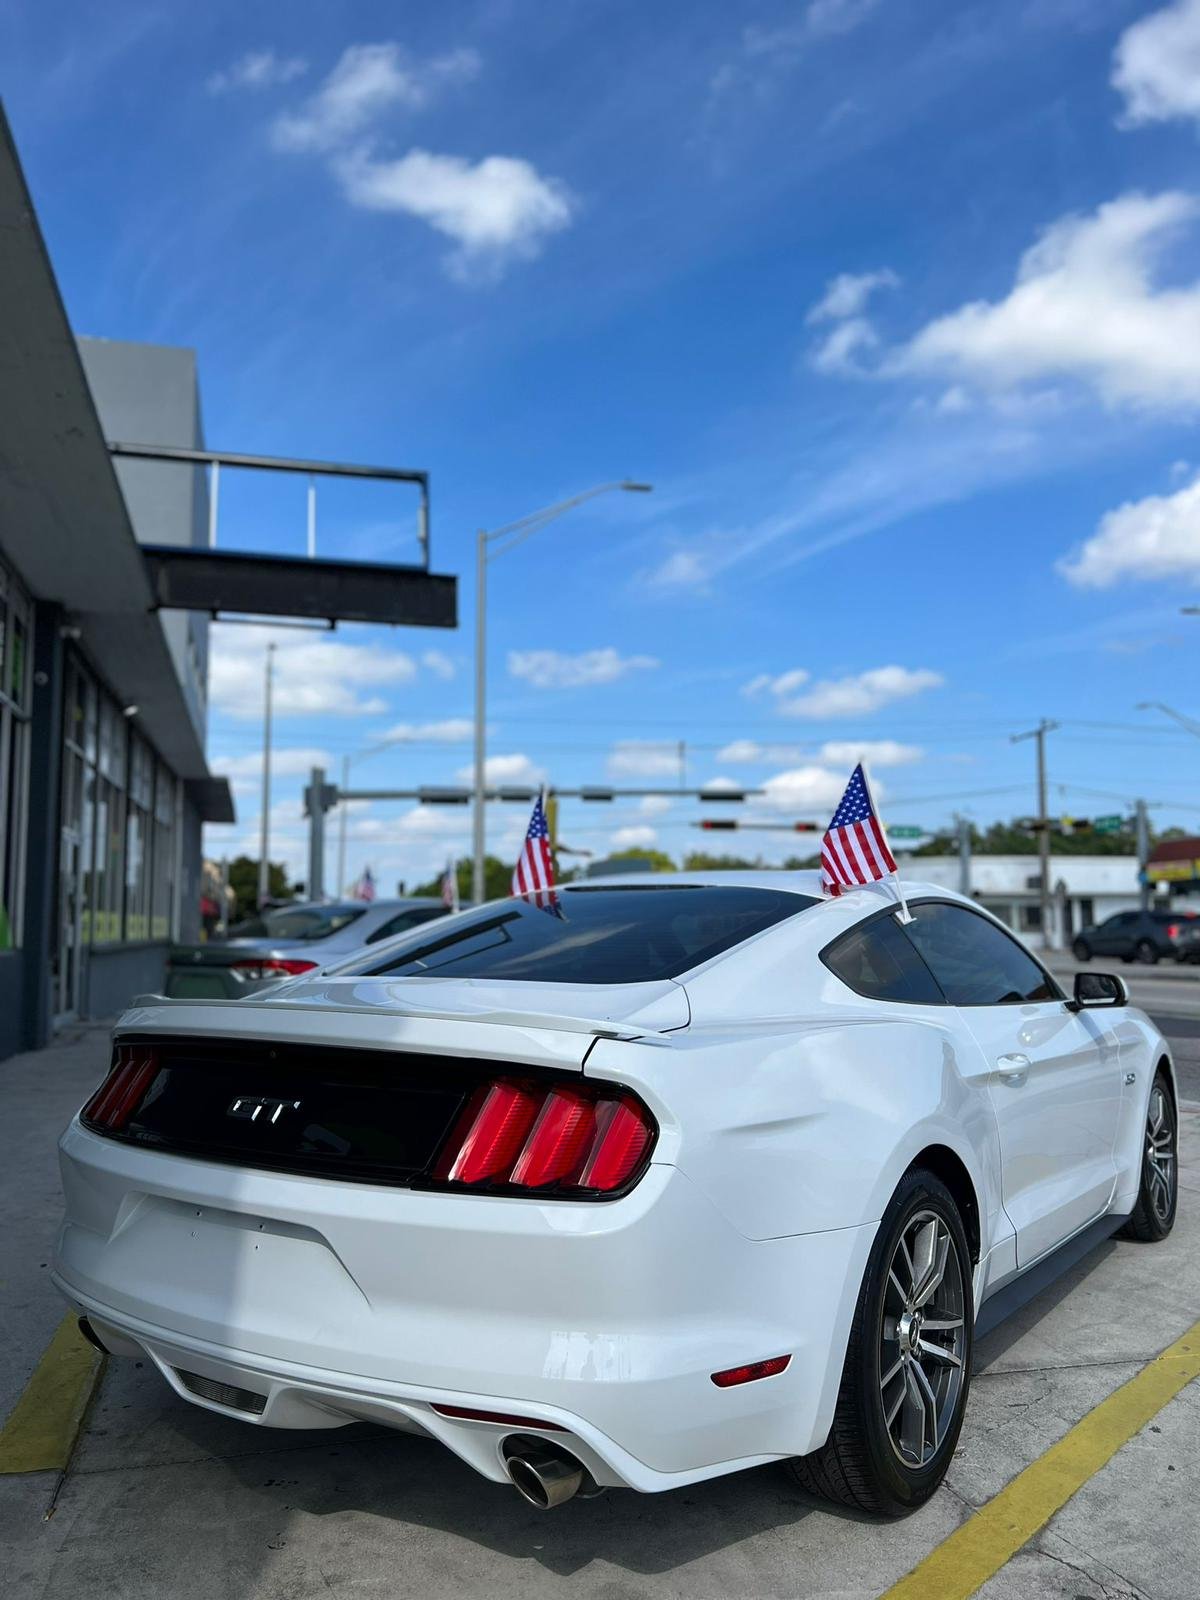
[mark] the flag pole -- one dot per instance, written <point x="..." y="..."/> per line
<point x="905" y="914"/>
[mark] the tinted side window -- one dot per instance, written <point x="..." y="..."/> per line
<point x="976" y="963"/>
<point x="879" y="962"/>
<point x="406" y="919"/>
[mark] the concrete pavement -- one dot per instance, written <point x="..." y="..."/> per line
<point x="164" y="1499"/>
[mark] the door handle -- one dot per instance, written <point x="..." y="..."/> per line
<point x="1013" y="1070"/>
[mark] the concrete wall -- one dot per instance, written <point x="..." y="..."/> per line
<point x="12" y="991"/>
<point x="148" y="394"/>
<point x="114" y="977"/>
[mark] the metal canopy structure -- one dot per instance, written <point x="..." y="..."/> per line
<point x="191" y="578"/>
<point x="222" y="581"/>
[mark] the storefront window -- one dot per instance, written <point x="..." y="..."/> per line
<point x="15" y="696"/>
<point x="137" y="842"/>
<point x="163" y="904"/>
<point x="109" y="877"/>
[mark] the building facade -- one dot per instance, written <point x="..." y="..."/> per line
<point x="103" y="780"/>
<point x="1083" y="889"/>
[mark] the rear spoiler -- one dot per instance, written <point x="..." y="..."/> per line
<point x="600" y="1028"/>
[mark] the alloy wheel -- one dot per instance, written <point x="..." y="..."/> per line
<point x="923" y="1339"/>
<point x="1160" y="1153"/>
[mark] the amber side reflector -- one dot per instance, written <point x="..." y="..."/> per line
<point x="472" y="1415"/>
<point x="751" y="1372"/>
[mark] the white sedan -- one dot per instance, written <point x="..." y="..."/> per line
<point x="673" y="1177"/>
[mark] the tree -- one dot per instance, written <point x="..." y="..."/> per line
<point x="243" y="880"/>
<point x="497" y="880"/>
<point x="637" y="860"/>
<point x="704" y="861"/>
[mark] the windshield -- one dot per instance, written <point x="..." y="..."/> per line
<point x="604" y="935"/>
<point x="297" y="922"/>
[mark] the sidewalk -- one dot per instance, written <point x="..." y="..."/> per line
<point x="39" y="1094"/>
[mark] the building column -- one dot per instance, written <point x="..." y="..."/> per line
<point x="42" y="830"/>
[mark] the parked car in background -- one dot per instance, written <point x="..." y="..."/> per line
<point x="285" y="942"/>
<point x="1147" y="936"/>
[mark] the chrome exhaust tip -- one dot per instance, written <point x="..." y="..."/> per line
<point x="92" y="1337"/>
<point x="543" y="1474"/>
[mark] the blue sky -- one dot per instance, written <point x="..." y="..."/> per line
<point x="896" y="302"/>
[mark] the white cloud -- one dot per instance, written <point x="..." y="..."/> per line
<point x="836" y="753"/>
<point x="635" y="837"/>
<point x="875" y="752"/>
<point x="1158" y="537"/>
<point x="838" y="353"/>
<point x="644" y="758"/>
<point x="684" y="568"/>
<point x="1084" y="307"/>
<point x="1156" y="66"/>
<point x="439" y="663"/>
<point x="804" y="789"/>
<point x="286" y="763"/>
<point x="848" y="293"/>
<point x="451" y="730"/>
<point x="550" y="669"/>
<point x="497" y="210"/>
<point x="861" y="693"/>
<point x="367" y="80"/>
<point x="783" y="683"/>
<point x="721" y="785"/>
<point x="837" y="16"/>
<point x="511" y="769"/>
<point x="312" y="675"/>
<point x="653" y="805"/>
<point x="257" y="69"/>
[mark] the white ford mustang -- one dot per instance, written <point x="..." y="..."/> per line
<point x="688" y="1174"/>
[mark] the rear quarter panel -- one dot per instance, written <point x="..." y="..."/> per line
<point x="805" y="1124"/>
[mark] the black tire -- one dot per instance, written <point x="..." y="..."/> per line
<point x="1081" y="950"/>
<point x="860" y="1465"/>
<point x="1153" y="1215"/>
<point x="1146" y="953"/>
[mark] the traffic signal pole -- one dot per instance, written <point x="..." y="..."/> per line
<point x="1142" y="833"/>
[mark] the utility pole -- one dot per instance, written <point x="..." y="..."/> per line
<point x="264" y="866"/>
<point x="478" y="839"/>
<point x="963" y="830"/>
<point x="1142" y="833"/>
<point x="1039" y="733"/>
<point x="339" y="887"/>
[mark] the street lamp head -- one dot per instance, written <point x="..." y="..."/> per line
<point x="637" y="488"/>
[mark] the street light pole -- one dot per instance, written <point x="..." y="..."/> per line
<point x="264" y="867"/>
<point x="514" y="533"/>
<point x="1039" y="733"/>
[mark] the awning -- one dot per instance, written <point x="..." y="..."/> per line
<point x="1174" y="861"/>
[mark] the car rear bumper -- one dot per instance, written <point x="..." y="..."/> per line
<point x="331" y="1302"/>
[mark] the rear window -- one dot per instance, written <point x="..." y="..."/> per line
<point x="602" y="935"/>
<point x="297" y="922"/>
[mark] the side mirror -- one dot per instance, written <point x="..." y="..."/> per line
<point x="1098" y="989"/>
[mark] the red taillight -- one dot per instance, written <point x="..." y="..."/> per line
<point x="271" y="967"/>
<point x="751" y="1372"/>
<point x="134" y="1069"/>
<point x="491" y="1133"/>
<point x="1172" y="930"/>
<point x="560" y="1140"/>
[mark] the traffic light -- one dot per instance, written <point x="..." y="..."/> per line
<point x="718" y="824"/>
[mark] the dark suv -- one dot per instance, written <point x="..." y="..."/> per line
<point x="1140" y="936"/>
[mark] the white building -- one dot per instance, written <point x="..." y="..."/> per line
<point x="1084" y="889"/>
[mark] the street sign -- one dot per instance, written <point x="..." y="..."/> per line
<point x="1108" y="824"/>
<point x="906" y="830"/>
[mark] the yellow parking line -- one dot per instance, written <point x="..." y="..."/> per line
<point x="40" y="1433"/>
<point x="971" y="1555"/>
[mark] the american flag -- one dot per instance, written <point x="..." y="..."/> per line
<point x="855" y="848"/>
<point x="364" y="889"/>
<point x="450" y="885"/>
<point x="534" y="872"/>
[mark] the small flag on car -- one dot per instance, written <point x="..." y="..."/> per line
<point x="364" y="889"/>
<point x="533" y="876"/>
<point x="855" y="849"/>
<point x="450" y="885"/>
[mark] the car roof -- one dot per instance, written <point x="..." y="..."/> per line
<point x="355" y="905"/>
<point x="803" y="882"/>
